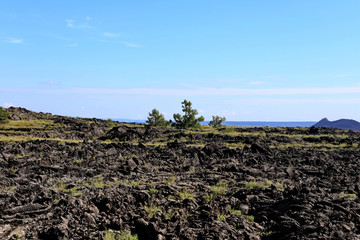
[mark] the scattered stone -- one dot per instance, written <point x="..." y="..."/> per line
<point x="175" y="184"/>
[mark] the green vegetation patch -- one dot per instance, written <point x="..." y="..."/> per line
<point x="220" y="188"/>
<point x="234" y="211"/>
<point x="10" y="188"/>
<point x="98" y="182"/>
<point x="208" y="198"/>
<point x="152" y="191"/>
<point x="263" y="184"/>
<point x="33" y="124"/>
<point x="170" y="180"/>
<point x="110" y="123"/>
<point x="347" y="195"/>
<point x="4" y="116"/>
<point x="168" y="215"/>
<point x="185" y="195"/>
<point x="114" y="235"/>
<point x="221" y="218"/>
<point x="151" y="210"/>
<point x="62" y="187"/>
<point x="251" y="218"/>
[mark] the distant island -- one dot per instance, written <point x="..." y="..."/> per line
<point x="346" y="124"/>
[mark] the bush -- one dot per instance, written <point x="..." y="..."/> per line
<point x="217" y="121"/>
<point x="4" y="116"/>
<point x="156" y="119"/>
<point x="110" y="123"/>
<point x="188" y="120"/>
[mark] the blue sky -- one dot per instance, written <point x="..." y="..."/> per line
<point x="253" y="60"/>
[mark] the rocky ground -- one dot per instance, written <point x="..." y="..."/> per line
<point x="74" y="178"/>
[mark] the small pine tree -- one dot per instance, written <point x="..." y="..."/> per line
<point x="156" y="119"/>
<point x="217" y="121"/>
<point x="4" y="116"/>
<point x="188" y="120"/>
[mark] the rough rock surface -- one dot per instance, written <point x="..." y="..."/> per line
<point x="76" y="178"/>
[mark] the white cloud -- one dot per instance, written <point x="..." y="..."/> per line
<point x="16" y="41"/>
<point x="112" y="35"/>
<point x="131" y="44"/>
<point x="70" y="23"/>
<point x="84" y="26"/>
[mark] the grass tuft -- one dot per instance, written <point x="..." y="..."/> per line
<point x="185" y="195"/>
<point x="124" y="235"/>
<point x="220" y="188"/>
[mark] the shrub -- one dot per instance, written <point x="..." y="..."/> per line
<point x="110" y="123"/>
<point x="217" y="121"/>
<point x="4" y="116"/>
<point x="188" y="120"/>
<point x="157" y="119"/>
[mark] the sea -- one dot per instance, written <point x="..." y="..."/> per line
<point x="266" y="124"/>
<point x="244" y="123"/>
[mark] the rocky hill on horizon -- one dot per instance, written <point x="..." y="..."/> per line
<point x="346" y="124"/>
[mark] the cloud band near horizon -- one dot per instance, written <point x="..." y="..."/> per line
<point x="193" y="92"/>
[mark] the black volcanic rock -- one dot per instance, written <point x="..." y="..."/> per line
<point x="77" y="178"/>
<point x="347" y="124"/>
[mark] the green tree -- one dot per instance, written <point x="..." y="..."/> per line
<point x="188" y="120"/>
<point x="157" y="119"/>
<point x="4" y="116"/>
<point x="217" y="121"/>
